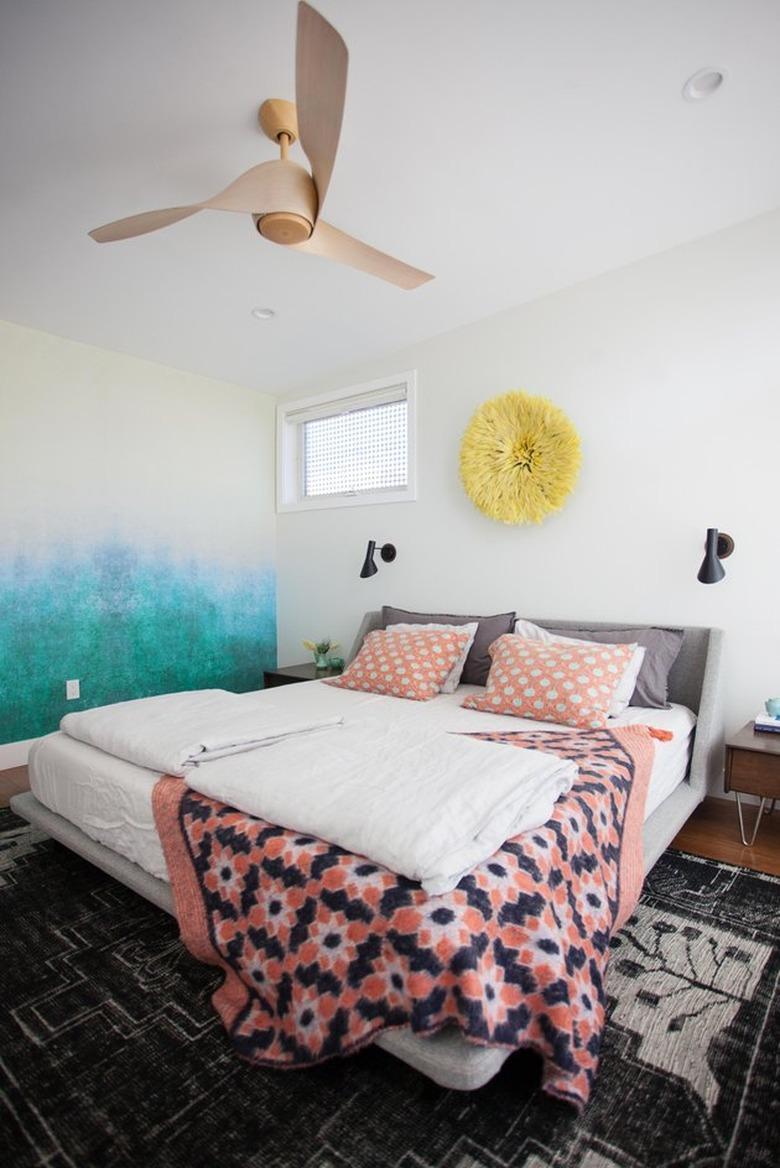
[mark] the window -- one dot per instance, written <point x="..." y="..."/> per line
<point x="346" y="448"/>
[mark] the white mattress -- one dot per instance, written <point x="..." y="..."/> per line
<point x="111" y="800"/>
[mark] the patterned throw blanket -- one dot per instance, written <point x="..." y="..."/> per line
<point x="321" y="949"/>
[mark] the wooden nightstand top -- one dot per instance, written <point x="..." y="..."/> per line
<point x="288" y="674"/>
<point x="748" y="739"/>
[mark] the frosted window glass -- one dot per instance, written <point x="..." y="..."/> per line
<point x="363" y="450"/>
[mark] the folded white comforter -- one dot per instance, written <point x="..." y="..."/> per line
<point x="175" y="732"/>
<point x="428" y="805"/>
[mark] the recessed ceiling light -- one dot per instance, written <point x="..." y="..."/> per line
<point x="703" y="84"/>
<point x="263" y="313"/>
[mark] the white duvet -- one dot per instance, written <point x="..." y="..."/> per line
<point x="386" y="781"/>
<point x="429" y="806"/>
<point x="174" y="732"/>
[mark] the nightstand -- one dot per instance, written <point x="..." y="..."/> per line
<point x="290" y="674"/>
<point x="753" y="768"/>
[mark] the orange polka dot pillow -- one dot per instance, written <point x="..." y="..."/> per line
<point x="552" y="681"/>
<point x="405" y="664"/>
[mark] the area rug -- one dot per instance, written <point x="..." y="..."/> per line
<point x="110" y="1053"/>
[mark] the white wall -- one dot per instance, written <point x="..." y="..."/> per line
<point x="670" y="369"/>
<point x="94" y="442"/>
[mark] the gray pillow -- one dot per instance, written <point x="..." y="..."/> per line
<point x="477" y="665"/>
<point x="661" y="649"/>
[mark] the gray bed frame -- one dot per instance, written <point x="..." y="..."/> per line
<point x="447" y="1057"/>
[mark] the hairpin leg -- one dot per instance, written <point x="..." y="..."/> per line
<point x="749" y="843"/>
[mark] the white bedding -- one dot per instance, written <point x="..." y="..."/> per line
<point x="110" y="799"/>
<point x="424" y="803"/>
<point x="174" y="732"/>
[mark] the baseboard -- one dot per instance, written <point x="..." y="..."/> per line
<point x="14" y="754"/>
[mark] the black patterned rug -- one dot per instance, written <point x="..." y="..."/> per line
<point x="110" y="1054"/>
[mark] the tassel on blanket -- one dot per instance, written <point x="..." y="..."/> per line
<point x="661" y="735"/>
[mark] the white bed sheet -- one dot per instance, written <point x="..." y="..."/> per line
<point x="111" y="800"/>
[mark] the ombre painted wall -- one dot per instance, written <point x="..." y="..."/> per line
<point x="136" y="530"/>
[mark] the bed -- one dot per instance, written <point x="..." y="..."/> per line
<point x="57" y="772"/>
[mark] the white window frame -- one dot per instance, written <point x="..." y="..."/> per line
<point x="290" y="416"/>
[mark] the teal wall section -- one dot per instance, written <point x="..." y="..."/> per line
<point x="127" y="622"/>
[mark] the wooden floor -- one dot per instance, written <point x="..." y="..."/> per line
<point x="711" y="831"/>
<point x="12" y="782"/>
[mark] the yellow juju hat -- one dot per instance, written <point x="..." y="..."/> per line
<point x="519" y="458"/>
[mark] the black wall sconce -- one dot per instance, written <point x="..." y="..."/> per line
<point x="717" y="548"/>
<point x="387" y="552"/>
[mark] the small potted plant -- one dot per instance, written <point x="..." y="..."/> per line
<point x="321" y="649"/>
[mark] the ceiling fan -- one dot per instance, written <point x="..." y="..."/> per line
<point x="283" y="199"/>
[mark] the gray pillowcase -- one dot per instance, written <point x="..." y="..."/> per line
<point x="477" y="666"/>
<point x="661" y="649"/>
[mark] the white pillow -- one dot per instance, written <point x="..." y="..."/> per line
<point x="622" y="695"/>
<point x="452" y="679"/>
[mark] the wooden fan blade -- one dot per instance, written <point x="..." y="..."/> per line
<point x="141" y="224"/>
<point x="321" y="60"/>
<point x="270" y="186"/>
<point x="279" y="185"/>
<point x="333" y="244"/>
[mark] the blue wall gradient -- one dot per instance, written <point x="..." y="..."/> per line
<point x="127" y="623"/>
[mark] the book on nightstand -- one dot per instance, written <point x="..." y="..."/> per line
<point x="765" y="724"/>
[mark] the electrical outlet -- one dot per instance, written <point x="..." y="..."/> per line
<point x="72" y="690"/>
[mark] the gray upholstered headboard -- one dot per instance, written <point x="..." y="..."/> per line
<point x="693" y="682"/>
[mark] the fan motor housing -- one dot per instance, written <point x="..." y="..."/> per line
<point x="284" y="227"/>
<point x="292" y="203"/>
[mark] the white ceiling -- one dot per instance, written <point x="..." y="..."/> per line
<point x="511" y="147"/>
